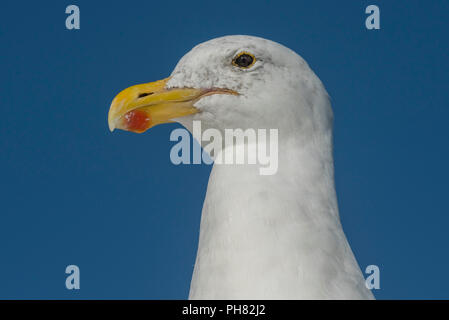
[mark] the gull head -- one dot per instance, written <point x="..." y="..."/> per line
<point x="230" y="82"/>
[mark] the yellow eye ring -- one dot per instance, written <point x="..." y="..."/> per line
<point x="244" y="60"/>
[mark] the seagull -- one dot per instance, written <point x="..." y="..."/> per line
<point x="275" y="236"/>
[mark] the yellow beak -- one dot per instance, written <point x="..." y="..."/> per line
<point x="143" y="106"/>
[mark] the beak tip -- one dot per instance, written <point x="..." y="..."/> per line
<point x="111" y="126"/>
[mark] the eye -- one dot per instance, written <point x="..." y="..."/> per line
<point x="244" y="60"/>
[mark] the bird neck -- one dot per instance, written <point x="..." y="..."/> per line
<point x="274" y="236"/>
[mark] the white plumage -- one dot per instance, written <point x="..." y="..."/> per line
<point x="279" y="236"/>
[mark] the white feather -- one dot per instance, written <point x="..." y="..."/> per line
<point x="279" y="236"/>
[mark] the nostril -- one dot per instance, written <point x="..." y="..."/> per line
<point x="144" y="94"/>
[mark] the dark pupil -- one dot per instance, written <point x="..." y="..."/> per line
<point x="244" y="60"/>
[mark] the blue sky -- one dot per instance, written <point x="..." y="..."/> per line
<point x="113" y="204"/>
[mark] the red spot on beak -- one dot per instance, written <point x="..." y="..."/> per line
<point x="136" y="121"/>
